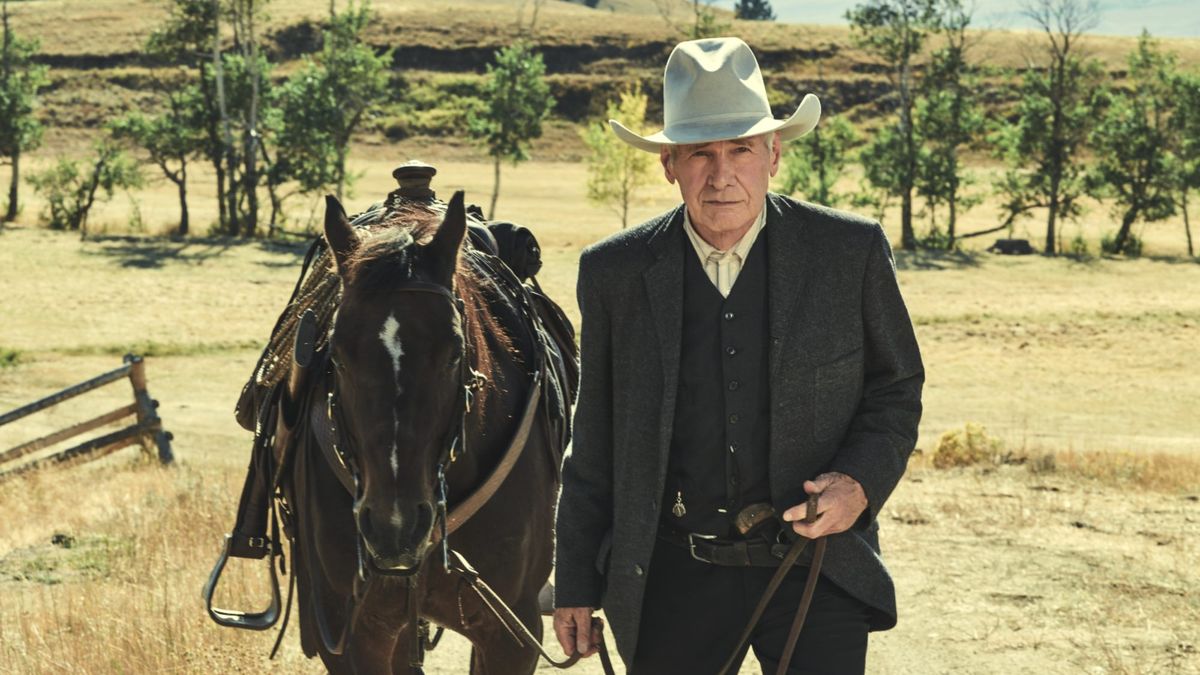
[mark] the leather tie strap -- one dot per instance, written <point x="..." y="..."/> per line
<point x="810" y="585"/>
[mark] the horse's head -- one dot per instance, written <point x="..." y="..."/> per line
<point x="398" y="353"/>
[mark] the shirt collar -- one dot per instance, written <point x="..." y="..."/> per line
<point x="740" y="249"/>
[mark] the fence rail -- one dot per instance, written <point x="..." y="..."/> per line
<point x="147" y="429"/>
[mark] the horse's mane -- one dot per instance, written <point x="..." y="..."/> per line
<point x="385" y="258"/>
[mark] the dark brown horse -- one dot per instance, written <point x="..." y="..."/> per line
<point x="426" y="376"/>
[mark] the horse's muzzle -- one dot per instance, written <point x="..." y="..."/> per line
<point x="396" y="544"/>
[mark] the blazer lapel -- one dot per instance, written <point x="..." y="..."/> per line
<point x="664" y="288"/>
<point x="788" y="268"/>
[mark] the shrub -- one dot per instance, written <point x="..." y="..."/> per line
<point x="1133" y="245"/>
<point x="967" y="446"/>
<point x="9" y="358"/>
<point x="70" y="191"/>
<point x="1079" y="247"/>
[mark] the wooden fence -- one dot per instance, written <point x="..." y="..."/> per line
<point x="145" y="430"/>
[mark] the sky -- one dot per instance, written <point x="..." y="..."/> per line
<point x="1163" y="18"/>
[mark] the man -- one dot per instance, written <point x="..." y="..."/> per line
<point x="741" y="349"/>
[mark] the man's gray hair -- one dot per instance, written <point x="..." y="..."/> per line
<point x="767" y="139"/>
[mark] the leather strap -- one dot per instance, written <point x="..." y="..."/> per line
<point x="463" y="511"/>
<point x="810" y="585"/>
<point x="516" y="628"/>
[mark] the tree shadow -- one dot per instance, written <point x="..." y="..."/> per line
<point x="925" y="259"/>
<point x="157" y="252"/>
<point x="1173" y="259"/>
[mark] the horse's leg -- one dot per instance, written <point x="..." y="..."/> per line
<point x="495" y="652"/>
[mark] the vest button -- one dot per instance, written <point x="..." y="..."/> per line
<point x="733" y="385"/>
<point x="637" y="569"/>
<point x="729" y="316"/>
<point x="730" y="351"/>
<point x="733" y="419"/>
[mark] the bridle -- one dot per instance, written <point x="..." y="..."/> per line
<point x="452" y="446"/>
<point x="445" y="522"/>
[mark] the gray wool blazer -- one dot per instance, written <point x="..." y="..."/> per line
<point x="845" y="392"/>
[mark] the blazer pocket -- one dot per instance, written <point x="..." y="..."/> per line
<point x="838" y="388"/>
<point x="605" y="553"/>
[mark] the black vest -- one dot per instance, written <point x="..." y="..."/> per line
<point x="720" y="442"/>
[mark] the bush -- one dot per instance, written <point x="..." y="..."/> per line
<point x="1133" y="245"/>
<point x="968" y="446"/>
<point x="1079" y="247"/>
<point x="9" y="358"/>
<point x="70" y="191"/>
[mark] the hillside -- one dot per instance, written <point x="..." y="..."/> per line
<point x="99" y="69"/>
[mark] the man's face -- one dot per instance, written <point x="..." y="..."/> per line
<point x="723" y="183"/>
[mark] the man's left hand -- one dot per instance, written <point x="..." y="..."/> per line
<point x="841" y="502"/>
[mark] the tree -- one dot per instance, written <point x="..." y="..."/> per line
<point x="813" y="164"/>
<point x="704" y="23"/>
<point x="894" y="31"/>
<point x="188" y="38"/>
<point x="753" y="10"/>
<point x="70" y="191"/>
<point x="1184" y="127"/>
<point x="617" y="170"/>
<point x="517" y="100"/>
<point x="326" y="101"/>
<point x="169" y="139"/>
<point x="947" y="117"/>
<point x="20" y="80"/>
<point x="1131" y="143"/>
<point x="1054" y="116"/>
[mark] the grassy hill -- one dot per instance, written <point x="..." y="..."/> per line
<point x="99" y="68"/>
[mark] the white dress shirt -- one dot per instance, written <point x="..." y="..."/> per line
<point x="722" y="267"/>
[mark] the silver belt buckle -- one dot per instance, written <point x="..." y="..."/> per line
<point x="692" y="536"/>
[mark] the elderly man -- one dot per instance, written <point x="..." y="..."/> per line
<point x="741" y="353"/>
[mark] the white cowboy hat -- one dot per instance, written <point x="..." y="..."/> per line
<point x="714" y="91"/>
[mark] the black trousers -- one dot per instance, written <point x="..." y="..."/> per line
<point x="693" y="613"/>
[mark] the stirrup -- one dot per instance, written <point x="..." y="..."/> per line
<point x="233" y="618"/>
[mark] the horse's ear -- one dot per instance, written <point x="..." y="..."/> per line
<point x="448" y="240"/>
<point x="338" y="233"/>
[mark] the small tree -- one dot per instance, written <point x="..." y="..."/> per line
<point x="754" y="10"/>
<point x="1131" y="142"/>
<point x="703" y="24"/>
<point x="617" y="170"/>
<point x="517" y="100"/>
<point x="1055" y="113"/>
<point x="71" y="191"/>
<point x="169" y="140"/>
<point x="813" y="164"/>
<point x="894" y="31"/>
<point x="947" y="118"/>
<point x="20" y="80"/>
<point x="326" y="101"/>
<point x="1184" y="128"/>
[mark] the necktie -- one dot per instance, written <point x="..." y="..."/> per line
<point x="721" y="267"/>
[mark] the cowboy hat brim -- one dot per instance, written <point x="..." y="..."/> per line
<point x="713" y="129"/>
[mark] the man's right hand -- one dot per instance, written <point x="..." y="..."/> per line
<point x="577" y="633"/>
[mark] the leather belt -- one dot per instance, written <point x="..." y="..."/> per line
<point x="756" y="552"/>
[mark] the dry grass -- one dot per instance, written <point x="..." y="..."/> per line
<point x="1078" y="568"/>
<point x="1170" y="473"/>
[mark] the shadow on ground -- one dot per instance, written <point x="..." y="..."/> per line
<point x="933" y="260"/>
<point x="154" y="253"/>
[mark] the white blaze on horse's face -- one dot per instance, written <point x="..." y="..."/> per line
<point x="387" y="335"/>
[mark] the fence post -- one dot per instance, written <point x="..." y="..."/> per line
<point x="147" y="415"/>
